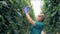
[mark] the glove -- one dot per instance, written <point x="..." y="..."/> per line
<point x="26" y="9"/>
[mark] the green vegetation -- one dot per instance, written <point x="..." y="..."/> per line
<point x="51" y="9"/>
<point x="12" y="18"/>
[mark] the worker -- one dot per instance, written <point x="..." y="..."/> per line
<point x="37" y="26"/>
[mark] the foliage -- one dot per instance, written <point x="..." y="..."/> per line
<point x="12" y="18"/>
<point x="51" y="9"/>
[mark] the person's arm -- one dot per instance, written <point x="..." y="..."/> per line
<point x="26" y="10"/>
<point x="30" y="19"/>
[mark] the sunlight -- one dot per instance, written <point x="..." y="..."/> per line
<point x="36" y="5"/>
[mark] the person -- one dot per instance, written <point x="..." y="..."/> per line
<point x="37" y="26"/>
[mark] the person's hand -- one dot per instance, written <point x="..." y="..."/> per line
<point x="26" y="9"/>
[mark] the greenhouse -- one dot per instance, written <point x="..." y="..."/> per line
<point x="17" y="16"/>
